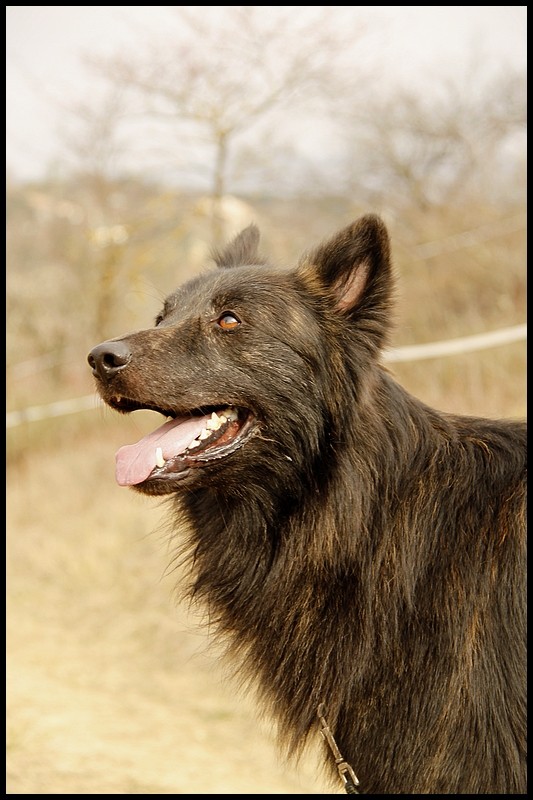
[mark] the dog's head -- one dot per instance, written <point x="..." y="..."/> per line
<point x="251" y="365"/>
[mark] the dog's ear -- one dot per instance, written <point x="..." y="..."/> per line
<point x="354" y="267"/>
<point x="241" y="251"/>
<point x="354" y="263"/>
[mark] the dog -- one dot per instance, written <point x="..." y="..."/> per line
<point x="361" y="554"/>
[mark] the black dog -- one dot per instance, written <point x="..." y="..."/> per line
<point x="361" y="554"/>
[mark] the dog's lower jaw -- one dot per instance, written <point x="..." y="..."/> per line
<point x="184" y="470"/>
<point x="155" y="487"/>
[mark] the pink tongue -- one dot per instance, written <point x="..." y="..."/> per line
<point x="135" y="462"/>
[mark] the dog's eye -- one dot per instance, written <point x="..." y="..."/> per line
<point x="228" y="321"/>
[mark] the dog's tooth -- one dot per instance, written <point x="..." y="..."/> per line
<point x="159" y="460"/>
<point x="205" y="434"/>
<point x="223" y="419"/>
<point x="214" y="423"/>
<point x="230" y="414"/>
<point x="194" y="443"/>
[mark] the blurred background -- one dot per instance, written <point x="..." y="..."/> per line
<point x="137" y="138"/>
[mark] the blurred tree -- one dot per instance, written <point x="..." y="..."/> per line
<point x="126" y="221"/>
<point x="423" y="148"/>
<point x="94" y="139"/>
<point x="226" y="70"/>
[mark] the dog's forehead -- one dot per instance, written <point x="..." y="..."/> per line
<point x="228" y="285"/>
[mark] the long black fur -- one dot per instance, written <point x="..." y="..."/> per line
<point x="361" y="549"/>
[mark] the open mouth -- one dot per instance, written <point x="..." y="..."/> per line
<point x="181" y="443"/>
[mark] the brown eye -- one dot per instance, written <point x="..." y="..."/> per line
<point x="228" y="322"/>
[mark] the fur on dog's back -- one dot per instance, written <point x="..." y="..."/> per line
<point x="360" y="549"/>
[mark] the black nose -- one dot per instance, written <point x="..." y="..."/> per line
<point x="108" y="358"/>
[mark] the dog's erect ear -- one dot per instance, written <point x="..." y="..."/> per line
<point x="353" y="263"/>
<point x="241" y="251"/>
<point x="354" y="267"/>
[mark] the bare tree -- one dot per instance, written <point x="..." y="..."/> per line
<point x="228" y="69"/>
<point x="92" y="133"/>
<point x="433" y="147"/>
<point x="95" y="142"/>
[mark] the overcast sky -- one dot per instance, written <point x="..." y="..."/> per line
<point x="44" y="45"/>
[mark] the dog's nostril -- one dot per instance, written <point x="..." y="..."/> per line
<point x="109" y="357"/>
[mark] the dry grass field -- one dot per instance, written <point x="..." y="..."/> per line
<point x="113" y="686"/>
